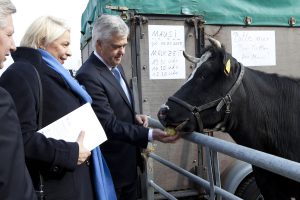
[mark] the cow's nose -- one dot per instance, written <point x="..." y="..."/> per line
<point x="162" y="113"/>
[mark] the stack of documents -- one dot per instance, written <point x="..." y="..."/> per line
<point x="69" y="126"/>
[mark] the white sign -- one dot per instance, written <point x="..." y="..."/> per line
<point x="69" y="126"/>
<point x="254" y="48"/>
<point x="166" y="44"/>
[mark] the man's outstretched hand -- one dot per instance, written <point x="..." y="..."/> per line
<point x="164" y="137"/>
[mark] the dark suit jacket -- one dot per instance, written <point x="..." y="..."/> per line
<point x="56" y="159"/>
<point x="117" y="117"/>
<point x="15" y="181"/>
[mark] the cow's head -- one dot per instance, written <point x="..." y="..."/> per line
<point x="205" y="97"/>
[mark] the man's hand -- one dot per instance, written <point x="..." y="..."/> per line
<point x="142" y="119"/>
<point x="162" y="136"/>
<point x="83" y="152"/>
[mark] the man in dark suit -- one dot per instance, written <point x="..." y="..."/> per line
<point x="104" y="79"/>
<point x="15" y="182"/>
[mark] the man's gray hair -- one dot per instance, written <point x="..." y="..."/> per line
<point x="107" y="26"/>
<point x="6" y="8"/>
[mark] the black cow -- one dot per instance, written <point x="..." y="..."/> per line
<point x="258" y="110"/>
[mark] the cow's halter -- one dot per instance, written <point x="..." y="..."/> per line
<point x="218" y="103"/>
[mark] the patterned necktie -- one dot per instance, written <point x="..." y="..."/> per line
<point x="117" y="75"/>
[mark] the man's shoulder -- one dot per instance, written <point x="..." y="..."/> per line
<point x="87" y="71"/>
<point x="90" y="62"/>
<point x="86" y="68"/>
<point x="3" y="93"/>
<point x="6" y="99"/>
<point x="91" y="66"/>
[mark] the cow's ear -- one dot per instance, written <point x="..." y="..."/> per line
<point x="227" y="64"/>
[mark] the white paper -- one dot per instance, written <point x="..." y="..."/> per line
<point x="69" y="126"/>
<point x="166" y="44"/>
<point x="254" y="48"/>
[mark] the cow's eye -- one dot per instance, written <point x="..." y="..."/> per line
<point x="203" y="75"/>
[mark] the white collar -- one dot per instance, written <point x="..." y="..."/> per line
<point x="100" y="58"/>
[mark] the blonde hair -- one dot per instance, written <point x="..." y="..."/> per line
<point x="43" y="31"/>
<point x="6" y="8"/>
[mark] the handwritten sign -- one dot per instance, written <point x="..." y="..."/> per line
<point x="166" y="44"/>
<point x="254" y="48"/>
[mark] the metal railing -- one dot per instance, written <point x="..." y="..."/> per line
<point x="278" y="165"/>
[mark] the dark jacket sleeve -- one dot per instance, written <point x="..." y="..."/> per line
<point x="53" y="154"/>
<point x="15" y="182"/>
<point x="122" y="128"/>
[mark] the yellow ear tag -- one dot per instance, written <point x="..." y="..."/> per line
<point x="227" y="67"/>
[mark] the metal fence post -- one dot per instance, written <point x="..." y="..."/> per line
<point x="148" y="175"/>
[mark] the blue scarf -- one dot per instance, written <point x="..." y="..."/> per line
<point x="103" y="184"/>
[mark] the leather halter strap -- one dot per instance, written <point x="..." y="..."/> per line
<point x="218" y="103"/>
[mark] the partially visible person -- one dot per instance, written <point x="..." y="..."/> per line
<point x="104" y="79"/>
<point x="15" y="181"/>
<point x="64" y="166"/>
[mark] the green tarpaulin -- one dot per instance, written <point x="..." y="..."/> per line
<point x="214" y="12"/>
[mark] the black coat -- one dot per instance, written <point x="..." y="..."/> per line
<point x="117" y="116"/>
<point x="15" y="181"/>
<point x="56" y="159"/>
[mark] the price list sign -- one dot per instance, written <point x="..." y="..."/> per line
<point x="166" y="44"/>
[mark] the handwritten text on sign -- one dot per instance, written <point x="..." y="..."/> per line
<point x="254" y="48"/>
<point x="166" y="44"/>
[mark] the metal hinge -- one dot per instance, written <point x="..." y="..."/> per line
<point x="140" y="20"/>
<point x="122" y="9"/>
<point x="117" y="8"/>
<point x="196" y="22"/>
